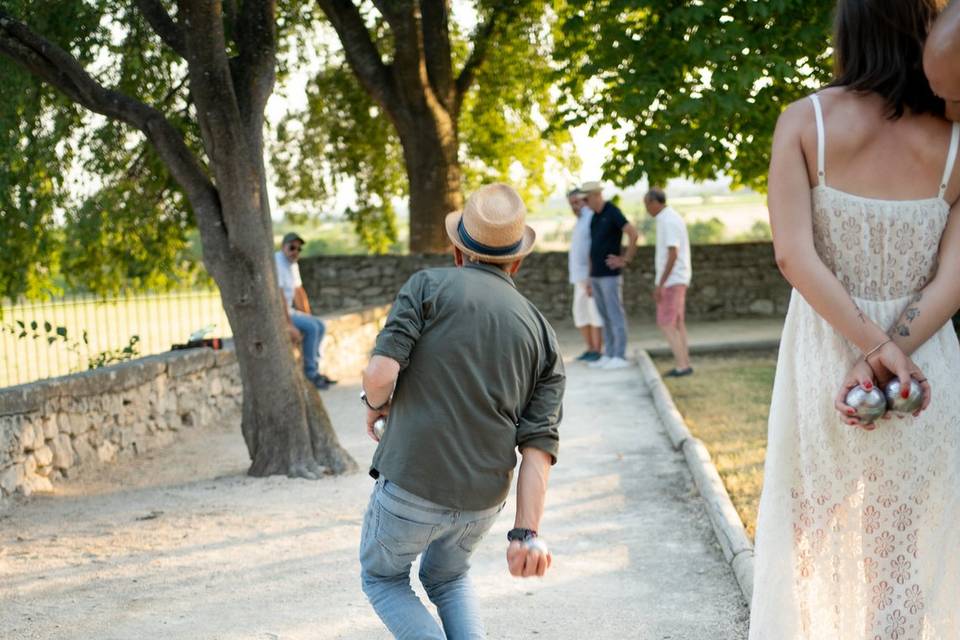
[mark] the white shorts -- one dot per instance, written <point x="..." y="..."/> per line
<point x="585" y="312"/>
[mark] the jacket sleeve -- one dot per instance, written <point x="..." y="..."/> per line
<point x="405" y="322"/>
<point x="540" y="419"/>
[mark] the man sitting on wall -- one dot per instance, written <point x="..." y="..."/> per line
<point x="304" y="327"/>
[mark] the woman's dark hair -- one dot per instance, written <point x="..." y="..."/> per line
<point x="878" y="46"/>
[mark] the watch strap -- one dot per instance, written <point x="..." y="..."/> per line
<point x="363" y="398"/>
<point x="521" y="534"/>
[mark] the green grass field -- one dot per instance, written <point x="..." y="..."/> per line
<point x="726" y="404"/>
<point x="158" y="319"/>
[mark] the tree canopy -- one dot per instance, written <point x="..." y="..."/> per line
<point x="696" y="86"/>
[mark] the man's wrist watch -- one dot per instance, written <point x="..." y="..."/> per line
<point x="520" y="534"/>
<point x="363" y="399"/>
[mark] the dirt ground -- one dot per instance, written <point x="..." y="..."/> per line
<point x="181" y="544"/>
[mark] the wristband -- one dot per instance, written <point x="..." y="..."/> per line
<point x="867" y="355"/>
<point x="363" y="399"/>
<point x="521" y="535"/>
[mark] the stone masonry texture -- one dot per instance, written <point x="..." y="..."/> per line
<point x="54" y="428"/>
<point x="729" y="281"/>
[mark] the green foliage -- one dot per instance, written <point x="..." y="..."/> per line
<point x="504" y="128"/>
<point x="37" y="330"/>
<point x="105" y="358"/>
<point x="759" y="232"/>
<point x="709" y="231"/>
<point x="341" y="135"/>
<point x="697" y="86"/>
<point x="50" y="334"/>
<point x="85" y="202"/>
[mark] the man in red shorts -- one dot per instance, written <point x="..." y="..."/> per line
<point x="673" y="272"/>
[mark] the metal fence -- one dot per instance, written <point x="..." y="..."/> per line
<point x="52" y="338"/>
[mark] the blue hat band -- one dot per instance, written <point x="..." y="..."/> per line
<point x="479" y="247"/>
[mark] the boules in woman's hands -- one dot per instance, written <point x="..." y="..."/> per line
<point x="895" y="400"/>
<point x="868" y="404"/>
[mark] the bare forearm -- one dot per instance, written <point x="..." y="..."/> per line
<point x="532" y="488"/>
<point x="668" y="268"/>
<point x="632" y="237"/>
<point x="926" y="314"/>
<point x="300" y="300"/>
<point x="379" y="379"/>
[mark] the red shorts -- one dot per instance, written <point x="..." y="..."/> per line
<point x="670" y="309"/>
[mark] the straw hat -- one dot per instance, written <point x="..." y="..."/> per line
<point x="590" y="187"/>
<point x="491" y="225"/>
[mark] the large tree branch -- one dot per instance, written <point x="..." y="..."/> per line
<point x="164" y="26"/>
<point x="481" y="44"/>
<point x="255" y="68"/>
<point x="409" y="64"/>
<point x="435" y="16"/>
<point x="362" y="54"/>
<point x="211" y="84"/>
<point x="58" y="68"/>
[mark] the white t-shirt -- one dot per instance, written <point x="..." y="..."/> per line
<point x="288" y="275"/>
<point x="579" y="256"/>
<point x="672" y="232"/>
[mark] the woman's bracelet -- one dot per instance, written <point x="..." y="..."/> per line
<point x="867" y="355"/>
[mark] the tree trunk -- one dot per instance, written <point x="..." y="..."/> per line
<point x="433" y="169"/>
<point x="285" y="426"/>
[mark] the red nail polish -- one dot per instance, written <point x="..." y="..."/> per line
<point x="868" y="386"/>
<point x="851" y="411"/>
<point x="905" y="393"/>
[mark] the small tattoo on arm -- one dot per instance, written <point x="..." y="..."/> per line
<point x="860" y="314"/>
<point x="912" y="314"/>
<point x="902" y="330"/>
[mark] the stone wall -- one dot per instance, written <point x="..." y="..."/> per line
<point x="729" y="281"/>
<point x="52" y="429"/>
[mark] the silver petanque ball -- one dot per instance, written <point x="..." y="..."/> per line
<point x="869" y="405"/>
<point x="899" y="404"/>
<point x="538" y="544"/>
<point x="379" y="427"/>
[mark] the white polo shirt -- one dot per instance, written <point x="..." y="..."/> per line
<point x="288" y="276"/>
<point x="579" y="255"/>
<point x="672" y="232"/>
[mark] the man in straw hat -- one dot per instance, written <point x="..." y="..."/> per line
<point x="466" y="372"/>
<point x="607" y="261"/>
<point x="941" y="58"/>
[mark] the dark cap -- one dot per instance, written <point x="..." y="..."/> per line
<point x="290" y="237"/>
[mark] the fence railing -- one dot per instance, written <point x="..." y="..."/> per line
<point x="51" y="338"/>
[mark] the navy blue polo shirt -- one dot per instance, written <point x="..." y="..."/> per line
<point x="606" y="238"/>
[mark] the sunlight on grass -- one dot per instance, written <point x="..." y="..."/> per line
<point x="725" y="404"/>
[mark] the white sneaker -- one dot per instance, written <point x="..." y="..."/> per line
<point x="616" y="363"/>
<point x="601" y="363"/>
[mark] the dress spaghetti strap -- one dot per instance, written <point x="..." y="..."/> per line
<point x="951" y="159"/>
<point x="821" y="175"/>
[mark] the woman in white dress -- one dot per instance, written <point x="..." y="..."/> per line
<point x="858" y="535"/>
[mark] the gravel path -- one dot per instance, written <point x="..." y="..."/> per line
<point x="182" y="545"/>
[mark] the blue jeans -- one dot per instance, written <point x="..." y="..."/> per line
<point x="608" y="294"/>
<point x="399" y="526"/>
<point x="312" y="329"/>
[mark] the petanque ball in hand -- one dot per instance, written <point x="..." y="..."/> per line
<point x="898" y="403"/>
<point x="538" y="544"/>
<point x="379" y="426"/>
<point x="869" y="405"/>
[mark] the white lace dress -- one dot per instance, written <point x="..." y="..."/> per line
<point x="858" y="535"/>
